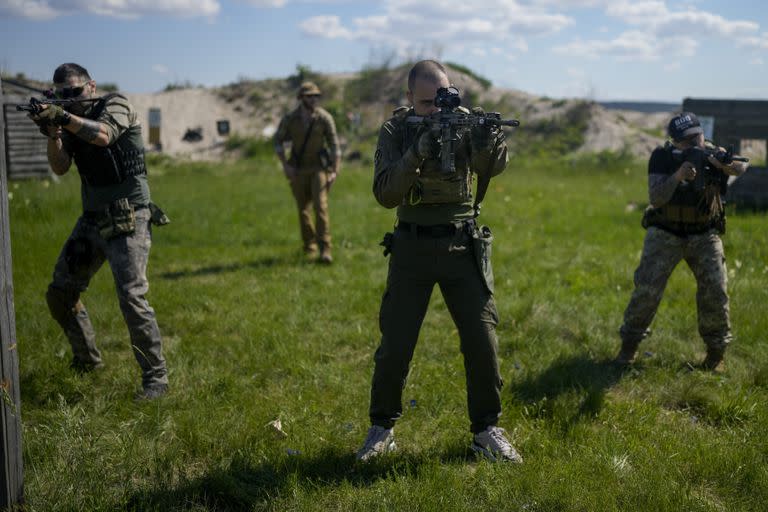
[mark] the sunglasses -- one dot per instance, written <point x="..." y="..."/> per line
<point x="69" y="92"/>
<point x="311" y="95"/>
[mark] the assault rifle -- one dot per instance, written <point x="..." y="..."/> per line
<point x="35" y="106"/>
<point x="706" y="173"/>
<point x="448" y="123"/>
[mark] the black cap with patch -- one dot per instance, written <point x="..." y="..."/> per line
<point x="684" y="125"/>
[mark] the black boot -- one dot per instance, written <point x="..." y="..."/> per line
<point x="627" y="353"/>
<point x="714" y="360"/>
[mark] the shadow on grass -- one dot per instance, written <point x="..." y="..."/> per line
<point x="230" y="267"/>
<point x="248" y="486"/>
<point x="581" y="376"/>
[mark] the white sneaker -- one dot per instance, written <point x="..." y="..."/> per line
<point x="492" y="443"/>
<point x="378" y="441"/>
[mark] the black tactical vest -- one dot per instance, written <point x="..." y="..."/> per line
<point x="695" y="207"/>
<point x="104" y="166"/>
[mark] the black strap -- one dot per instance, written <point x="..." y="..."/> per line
<point x="482" y="187"/>
<point x="300" y="153"/>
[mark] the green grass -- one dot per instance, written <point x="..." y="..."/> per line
<point x="252" y="333"/>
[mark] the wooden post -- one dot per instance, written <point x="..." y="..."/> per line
<point x="11" y="465"/>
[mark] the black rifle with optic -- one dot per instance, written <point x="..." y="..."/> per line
<point x="448" y="123"/>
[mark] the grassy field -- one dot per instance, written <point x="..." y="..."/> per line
<point x="252" y="334"/>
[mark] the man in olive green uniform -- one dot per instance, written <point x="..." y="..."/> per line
<point x="312" y="167"/>
<point x="103" y="137"/>
<point x="684" y="220"/>
<point x="436" y="242"/>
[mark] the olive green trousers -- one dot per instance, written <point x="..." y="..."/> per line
<point x="453" y="262"/>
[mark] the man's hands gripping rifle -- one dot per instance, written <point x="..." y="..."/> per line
<point x="446" y="126"/>
<point x="50" y="112"/>
<point x="704" y="162"/>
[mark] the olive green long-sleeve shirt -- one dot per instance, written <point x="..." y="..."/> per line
<point x="293" y="127"/>
<point x="399" y="173"/>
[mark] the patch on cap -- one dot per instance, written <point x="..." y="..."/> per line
<point x="684" y="125"/>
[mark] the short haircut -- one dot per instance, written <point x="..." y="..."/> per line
<point x="67" y="70"/>
<point x="426" y="70"/>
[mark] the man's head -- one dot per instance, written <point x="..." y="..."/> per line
<point x="309" y="95"/>
<point x="685" y="130"/>
<point x="424" y="79"/>
<point x="72" y="81"/>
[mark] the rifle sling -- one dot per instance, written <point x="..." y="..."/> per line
<point x="300" y="153"/>
<point x="482" y="187"/>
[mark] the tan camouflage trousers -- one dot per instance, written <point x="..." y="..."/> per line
<point x="310" y="189"/>
<point x="662" y="251"/>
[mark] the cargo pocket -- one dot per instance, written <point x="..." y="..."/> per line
<point x="481" y="241"/>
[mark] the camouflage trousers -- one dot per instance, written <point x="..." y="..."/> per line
<point x="128" y="255"/>
<point x="310" y="189"/>
<point x="416" y="265"/>
<point x="662" y="251"/>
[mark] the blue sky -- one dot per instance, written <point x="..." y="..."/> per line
<point x="652" y="50"/>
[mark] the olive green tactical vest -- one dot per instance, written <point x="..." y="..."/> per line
<point x="433" y="186"/>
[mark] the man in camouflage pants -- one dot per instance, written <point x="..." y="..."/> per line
<point x="103" y="137"/>
<point x="312" y="167"/>
<point x="684" y="220"/>
<point x="436" y="242"/>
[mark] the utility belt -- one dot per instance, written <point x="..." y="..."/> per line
<point x="436" y="230"/>
<point x="119" y="218"/>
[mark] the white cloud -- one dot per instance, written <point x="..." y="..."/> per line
<point x="325" y="26"/>
<point x="672" y="66"/>
<point x="755" y="42"/>
<point x="406" y="25"/>
<point x="130" y="9"/>
<point x="265" y="3"/>
<point x="38" y="10"/>
<point x="160" y="68"/>
<point x="659" y="32"/>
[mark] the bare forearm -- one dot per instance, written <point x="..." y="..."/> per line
<point x="661" y="187"/>
<point x="88" y="130"/>
<point x="58" y="159"/>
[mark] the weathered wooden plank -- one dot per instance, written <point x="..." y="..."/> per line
<point x="11" y="465"/>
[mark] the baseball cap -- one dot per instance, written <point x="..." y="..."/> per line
<point x="684" y="125"/>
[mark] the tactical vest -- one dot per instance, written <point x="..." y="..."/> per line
<point x="694" y="208"/>
<point x="433" y="186"/>
<point x="111" y="165"/>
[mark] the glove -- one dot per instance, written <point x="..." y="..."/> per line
<point x="426" y="145"/>
<point x="42" y="125"/>
<point x="482" y="135"/>
<point x="54" y="115"/>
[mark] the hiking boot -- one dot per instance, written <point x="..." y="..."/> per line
<point x="379" y="440"/>
<point x="714" y="360"/>
<point x="492" y="444"/>
<point x="151" y="392"/>
<point x="627" y="353"/>
<point x="325" y="255"/>
<point x="310" y="253"/>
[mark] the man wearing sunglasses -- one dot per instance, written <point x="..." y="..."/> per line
<point x="312" y="167"/>
<point x="684" y="221"/>
<point x="103" y="137"/>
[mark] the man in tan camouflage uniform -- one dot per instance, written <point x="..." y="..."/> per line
<point x="436" y="241"/>
<point x="312" y="167"/>
<point x="684" y="220"/>
<point x="104" y="139"/>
